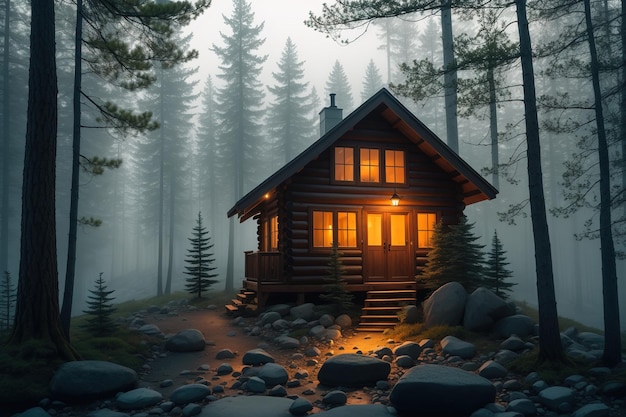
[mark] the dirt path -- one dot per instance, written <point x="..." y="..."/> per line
<point x="221" y="333"/>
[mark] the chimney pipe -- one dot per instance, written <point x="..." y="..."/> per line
<point x="330" y="116"/>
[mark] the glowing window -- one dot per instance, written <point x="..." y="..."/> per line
<point x="346" y="229"/>
<point x="425" y="227"/>
<point x="369" y="163"/>
<point x="344" y="164"/>
<point x="274" y="233"/>
<point x="322" y="229"/>
<point x="394" y="167"/>
<point x="374" y="229"/>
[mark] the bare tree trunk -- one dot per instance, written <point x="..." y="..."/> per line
<point x="161" y="196"/>
<point x="70" y="267"/>
<point x="449" y="77"/>
<point x="6" y="141"/>
<point x="170" y="265"/>
<point x="230" y="273"/>
<point x="612" y="344"/>
<point x="493" y="129"/>
<point x="37" y="305"/>
<point x="550" y="347"/>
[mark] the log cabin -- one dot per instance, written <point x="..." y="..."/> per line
<point x="376" y="182"/>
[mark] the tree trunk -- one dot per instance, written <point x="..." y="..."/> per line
<point x="170" y="265"/>
<point x="612" y="344"/>
<point x="70" y="267"/>
<point x="37" y="305"/>
<point x="550" y="347"/>
<point x="449" y="77"/>
<point x="6" y="145"/>
<point x="493" y="128"/>
<point x="229" y="284"/>
<point x="161" y="195"/>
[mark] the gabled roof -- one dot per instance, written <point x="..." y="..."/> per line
<point x="475" y="188"/>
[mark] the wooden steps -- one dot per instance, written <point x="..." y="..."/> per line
<point x="381" y="308"/>
<point x="243" y="304"/>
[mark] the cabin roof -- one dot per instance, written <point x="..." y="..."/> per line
<point x="475" y="188"/>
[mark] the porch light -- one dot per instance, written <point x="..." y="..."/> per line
<point x="395" y="198"/>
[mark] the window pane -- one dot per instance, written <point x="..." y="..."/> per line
<point x="374" y="229"/>
<point x="398" y="230"/>
<point x="425" y="227"/>
<point x="322" y="229"/>
<point x="370" y="165"/>
<point x="394" y="166"/>
<point x="274" y="233"/>
<point x="344" y="164"/>
<point x="346" y="229"/>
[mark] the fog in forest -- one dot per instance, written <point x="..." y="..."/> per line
<point x="169" y="175"/>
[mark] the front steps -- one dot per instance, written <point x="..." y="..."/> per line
<point x="381" y="308"/>
<point x="244" y="305"/>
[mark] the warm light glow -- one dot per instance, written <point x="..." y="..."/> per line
<point x="267" y="196"/>
<point x="395" y="199"/>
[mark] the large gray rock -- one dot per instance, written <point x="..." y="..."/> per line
<point x="408" y="348"/>
<point x="138" y="398"/>
<point x="555" y="398"/>
<point x="256" y="357"/>
<point x="361" y="410"/>
<point x="273" y="374"/>
<point x="437" y="389"/>
<point x="81" y="380"/>
<point x="456" y="347"/>
<point x="483" y="308"/>
<point x="592" y="410"/>
<point x="517" y="324"/>
<point x="189" y="393"/>
<point x="304" y="311"/>
<point x="445" y="306"/>
<point x="270" y="317"/>
<point x="248" y="406"/>
<point x="353" y="370"/>
<point x="492" y="370"/>
<point x="34" y="412"/>
<point x="188" y="340"/>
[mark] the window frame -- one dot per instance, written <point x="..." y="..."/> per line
<point x="428" y="231"/>
<point x="356" y="166"/>
<point x="335" y="226"/>
<point x="334" y="164"/>
<point x="395" y="167"/>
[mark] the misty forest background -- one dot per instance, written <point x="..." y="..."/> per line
<point x="136" y="219"/>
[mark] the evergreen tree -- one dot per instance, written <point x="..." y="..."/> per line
<point x="240" y="108"/>
<point x="372" y="82"/>
<point x="100" y="308"/>
<point x="288" y="118"/>
<point x="7" y="301"/>
<point x="495" y="271"/>
<point x="199" y="261"/>
<point x="337" y="291"/>
<point x="454" y="257"/>
<point x="338" y="84"/>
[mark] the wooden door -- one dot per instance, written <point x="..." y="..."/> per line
<point x="388" y="247"/>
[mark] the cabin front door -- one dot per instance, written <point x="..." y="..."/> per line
<point x="388" y="247"/>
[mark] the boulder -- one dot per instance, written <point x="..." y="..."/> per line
<point x="556" y="398"/>
<point x="361" y="410"/>
<point x="269" y="318"/>
<point x="408" y="348"/>
<point x="592" y="410"/>
<point x="81" y="380"/>
<point x="483" y="308"/>
<point x="304" y="311"/>
<point x="256" y="357"/>
<point x="189" y="393"/>
<point x="256" y="385"/>
<point x="188" y="340"/>
<point x="517" y="324"/>
<point x="513" y="343"/>
<point x="344" y="321"/>
<point x="225" y="354"/>
<point x="273" y="374"/>
<point x="437" y="389"/>
<point x="445" y="306"/>
<point x="300" y="406"/>
<point x="353" y="370"/>
<point x="248" y="406"/>
<point x="283" y="309"/>
<point x="492" y="370"/>
<point x="456" y="347"/>
<point x="286" y="342"/>
<point x="336" y="397"/>
<point x="138" y="398"/>
<point x="326" y="320"/>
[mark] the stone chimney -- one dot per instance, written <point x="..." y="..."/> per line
<point x="330" y="116"/>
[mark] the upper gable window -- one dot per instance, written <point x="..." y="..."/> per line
<point x="344" y="163"/>
<point x="369" y="163"/>
<point x="394" y="167"/>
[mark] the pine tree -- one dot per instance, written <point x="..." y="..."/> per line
<point x="495" y="271"/>
<point x="7" y="301"/>
<point x="372" y="82"/>
<point x="454" y="257"/>
<point x="100" y="307"/>
<point x="199" y="261"/>
<point x="337" y="293"/>
<point x="338" y="84"/>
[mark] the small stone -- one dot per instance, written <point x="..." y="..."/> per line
<point x="336" y="397"/>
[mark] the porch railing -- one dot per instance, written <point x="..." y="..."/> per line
<point x="263" y="266"/>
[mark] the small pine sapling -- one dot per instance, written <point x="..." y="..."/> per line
<point x="337" y="293"/>
<point x="7" y="301"/>
<point x="100" y="308"/>
<point x="454" y="256"/>
<point x="199" y="261"/>
<point x="495" y="271"/>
